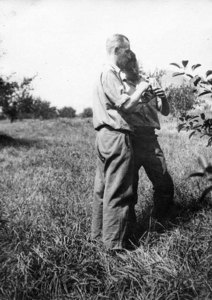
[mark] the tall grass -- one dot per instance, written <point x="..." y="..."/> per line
<point x="47" y="174"/>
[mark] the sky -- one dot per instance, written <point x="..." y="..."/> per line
<point x="63" y="41"/>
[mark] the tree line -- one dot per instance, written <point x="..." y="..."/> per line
<point x="17" y="102"/>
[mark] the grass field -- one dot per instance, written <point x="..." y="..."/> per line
<point x="47" y="174"/>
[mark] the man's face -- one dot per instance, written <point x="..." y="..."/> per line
<point x="124" y="47"/>
<point x="132" y="72"/>
<point x="122" y="54"/>
<point x="129" y="65"/>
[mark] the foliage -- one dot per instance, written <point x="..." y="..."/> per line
<point x="203" y="86"/>
<point x="206" y="171"/>
<point x="67" y="112"/>
<point x="181" y="99"/>
<point x="7" y="101"/>
<point x="15" y="98"/>
<point x="198" y="123"/>
<point x="18" y="103"/>
<point x="25" y="106"/>
<point x="46" y="198"/>
<point x="87" y="113"/>
<point x="43" y="110"/>
<point x="157" y="74"/>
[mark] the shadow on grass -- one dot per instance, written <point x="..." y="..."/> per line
<point x="8" y="141"/>
<point x="178" y="214"/>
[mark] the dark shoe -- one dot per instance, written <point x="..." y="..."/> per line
<point x="132" y="245"/>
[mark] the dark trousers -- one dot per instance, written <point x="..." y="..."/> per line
<point x="148" y="154"/>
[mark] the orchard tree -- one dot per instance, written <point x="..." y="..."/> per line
<point x="25" y="107"/>
<point x="7" y="98"/>
<point x="15" y="98"/>
<point x="67" y="112"/>
<point x="198" y="123"/>
<point x="24" y="97"/>
<point x="87" y="113"/>
<point x="42" y="109"/>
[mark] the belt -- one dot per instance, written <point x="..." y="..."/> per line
<point x="125" y="131"/>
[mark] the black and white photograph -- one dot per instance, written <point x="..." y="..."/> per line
<point x="106" y="150"/>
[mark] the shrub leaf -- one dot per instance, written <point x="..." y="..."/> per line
<point x="195" y="66"/>
<point x="196" y="174"/>
<point x="180" y="127"/>
<point x="208" y="73"/>
<point x="177" y="74"/>
<point x="202" y="115"/>
<point x="206" y="191"/>
<point x="176" y="65"/>
<point x="184" y="63"/>
<point x="189" y="75"/>
<point x="204" y="93"/>
<point x="192" y="133"/>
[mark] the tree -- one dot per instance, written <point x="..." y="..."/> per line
<point x="15" y="98"/>
<point x="7" y="99"/>
<point x="42" y="109"/>
<point x="87" y="113"/>
<point x="202" y="86"/>
<point x="198" y="123"/>
<point x="67" y="112"/>
<point x="24" y="98"/>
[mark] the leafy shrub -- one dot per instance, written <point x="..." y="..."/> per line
<point x="198" y="123"/>
<point x="42" y="109"/>
<point x="15" y="98"/>
<point x="67" y="112"/>
<point x="202" y="86"/>
<point x="87" y="113"/>
<point x="181" y="98"/>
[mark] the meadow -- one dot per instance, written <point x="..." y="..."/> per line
<point x="47" y="174"/>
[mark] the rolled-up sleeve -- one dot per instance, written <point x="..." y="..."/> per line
<point x="114" y="89"/>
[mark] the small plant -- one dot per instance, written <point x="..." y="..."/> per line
<point x="202" y="86"/>
<point x="206" y="172"/>
<point x="87" y="113"/>
<point x="199" y="82"/>
<point x="198" y="123"/>
<point x="181" y="99"/>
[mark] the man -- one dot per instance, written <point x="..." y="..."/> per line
<point x="113" y="188"/>
<point x="147" y="151"/>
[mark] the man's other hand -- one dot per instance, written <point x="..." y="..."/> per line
<point x="159" y="93"/>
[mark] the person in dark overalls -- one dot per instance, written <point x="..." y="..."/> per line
<point x="147" y="151"/>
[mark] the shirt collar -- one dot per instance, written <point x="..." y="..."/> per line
<point x="116" y="68"/>
<point x="123" y="76"/>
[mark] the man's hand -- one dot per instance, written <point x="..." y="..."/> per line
<point x="143" y="86"/>
<point x="159" y="93"/>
